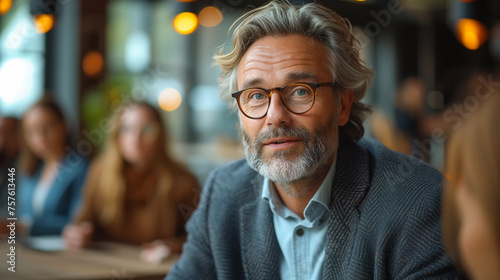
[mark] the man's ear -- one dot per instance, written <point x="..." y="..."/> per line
<point x="346" y="100"/>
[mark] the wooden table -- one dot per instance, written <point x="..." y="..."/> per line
<point x="104" y="261"/>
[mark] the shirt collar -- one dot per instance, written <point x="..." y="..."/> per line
<point x="314" y="209"/>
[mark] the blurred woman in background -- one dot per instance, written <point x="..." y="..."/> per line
<point x="135" y="192"/>
<point x="471" y="204"/>
<point x="51" y="180"/>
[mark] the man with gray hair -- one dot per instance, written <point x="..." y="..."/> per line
<point x="312" y="200"/>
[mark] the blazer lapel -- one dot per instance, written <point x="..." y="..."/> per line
<point x="351" y="182"/>
<point x="260" y="247"/>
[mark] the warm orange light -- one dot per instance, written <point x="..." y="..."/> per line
<point x="185" y="23"/>
<point x="44" y="23"/>
<point x="92" y="63"/>
<point x="210" y="16"/>
<point x="471" y="33"/>
<point x="169" y="99"/>
<point x="5" y="6"/>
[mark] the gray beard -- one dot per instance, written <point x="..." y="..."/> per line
<point x="319" y="147"/>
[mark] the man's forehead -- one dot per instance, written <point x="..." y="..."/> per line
<point x="290" y="76"/>
<point x="290" y="58"/>
<point x="291" y="46"/>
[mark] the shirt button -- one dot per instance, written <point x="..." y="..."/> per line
<point x="300" y="232"/>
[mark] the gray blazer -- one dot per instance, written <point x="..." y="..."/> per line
<point x="384" y="222"/>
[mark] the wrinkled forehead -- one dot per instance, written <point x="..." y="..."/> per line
<point x="286" y="58"/>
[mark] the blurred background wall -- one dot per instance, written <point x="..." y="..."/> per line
<point x="92" y="54"/>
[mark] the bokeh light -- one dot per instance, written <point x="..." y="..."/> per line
<point x="44" y="23"/>
<point x="169" y="99"/>
<point x="92" y="63"/>
<point x="210" y="16"/>
<point x="5" y="6"/>
<point x="13" y="76"/>
<point x="471" y="33"/>
<point x="185" y="23"/>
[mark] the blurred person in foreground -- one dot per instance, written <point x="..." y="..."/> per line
<point x="312" y="200"/>
<point x="51" y="174"/>
<point x="135" y="192"/>
<point x="471" y="203"/>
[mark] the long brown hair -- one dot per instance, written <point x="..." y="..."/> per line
<point x="29" y="162"/>
<point x="474" y="153"/>
<point x="111" y="180"/>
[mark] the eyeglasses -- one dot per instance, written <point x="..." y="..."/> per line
<point x="298" y="98"/>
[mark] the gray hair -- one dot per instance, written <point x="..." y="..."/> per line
<point x="280" y="18"/>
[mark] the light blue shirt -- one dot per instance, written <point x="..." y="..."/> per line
<point x="302" y="242"/>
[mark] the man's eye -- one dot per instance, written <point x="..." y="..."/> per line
<point x="300" y="92"/>
<point x="258" y="96"/>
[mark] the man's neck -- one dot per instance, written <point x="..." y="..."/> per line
<point x="297" y="203"/>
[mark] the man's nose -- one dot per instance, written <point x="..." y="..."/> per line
<point x="277" y="114"/>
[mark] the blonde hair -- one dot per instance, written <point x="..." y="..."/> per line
<point x="474" y="153"/>
<point x="112" y="188"/>
<point x="280" y="18"/>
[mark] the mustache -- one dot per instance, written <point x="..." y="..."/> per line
<point x="282" y="131"/>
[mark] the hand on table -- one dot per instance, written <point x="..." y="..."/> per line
<point x="78" y="236"/>
<point x="154" y="252"/>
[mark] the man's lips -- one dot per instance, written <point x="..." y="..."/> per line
<point x="282" y="142"/>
